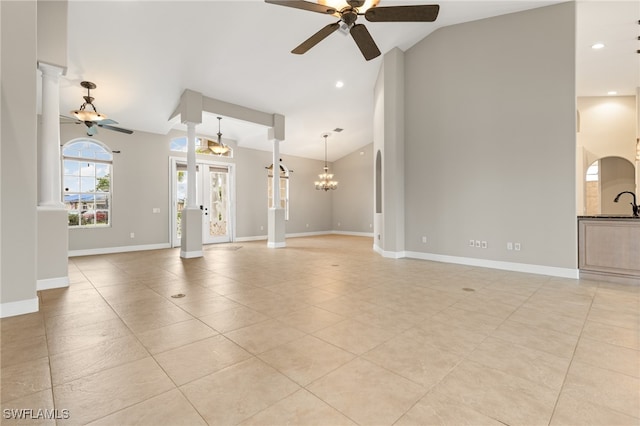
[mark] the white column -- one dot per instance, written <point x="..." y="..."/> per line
<point x="191" y="239"/>
<point x="276" y="221"/>
<point x="191" y="166"/>
<point x="49" y="180"/>
<point x="276" y="173"/>
<point x="52" y="225"/>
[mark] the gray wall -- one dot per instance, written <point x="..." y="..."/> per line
<point x="141" y="183"/>
<point x="490" y="138"/>
<point x="18" y="185"/>
<point x="52" y="32"/>
<point x="353" y="200"/>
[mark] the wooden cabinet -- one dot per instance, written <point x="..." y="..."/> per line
<point x="609" y="249"/>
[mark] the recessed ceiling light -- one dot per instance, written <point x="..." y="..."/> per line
<point x="597" y="46"/>
<point x="339" y="84"/>
<point x="612" y="92"/>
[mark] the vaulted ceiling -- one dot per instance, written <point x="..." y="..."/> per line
<point x="142" y="55"/>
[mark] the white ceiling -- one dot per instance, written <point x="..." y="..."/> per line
<point x="142" y="55"/>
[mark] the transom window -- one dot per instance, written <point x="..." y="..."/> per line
<point x="86" y="183"/>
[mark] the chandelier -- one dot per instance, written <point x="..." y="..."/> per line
<point x="326" y="181"/>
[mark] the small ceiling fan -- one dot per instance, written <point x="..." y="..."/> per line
<point x="348" y="16"/>
<point x="91" y="117"/>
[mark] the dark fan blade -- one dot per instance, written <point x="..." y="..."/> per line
<point x="365" y="42"/>
<point x="315" y="39"/>
<point x="423" y="13"/>
<point x="304" y="5"/>
<point x="117" y="129"/>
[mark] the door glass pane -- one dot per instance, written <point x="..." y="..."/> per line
<point x="218" y="219"/>
<point x="181" y="197"/>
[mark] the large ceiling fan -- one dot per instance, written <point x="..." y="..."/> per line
<point x="91" y="117"/>
<point x="348" y="16"/>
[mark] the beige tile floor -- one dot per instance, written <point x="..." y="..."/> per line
<point x="322" y="332"/>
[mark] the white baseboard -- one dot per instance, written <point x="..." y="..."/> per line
<point x="191" y="254"/>
<point x="256" y="238"/>
<point x="121" y="249"/>
<point x="389" y="254"/>
<point x="355" y="234"/>
<point x="494" y="264"/>
<point x="276" y="245"/>
<point x="51" y="283"/>
<point x="306" y="234"/>
<point x="21" y="307"/>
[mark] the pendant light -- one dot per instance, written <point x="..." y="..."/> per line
<point x="326" y="181"/>
<point x="218" y="147"/>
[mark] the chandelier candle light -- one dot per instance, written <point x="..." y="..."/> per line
<point x="326" y="181"/>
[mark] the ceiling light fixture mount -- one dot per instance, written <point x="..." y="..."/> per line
<point x="326" y="181"/>
<point x="84" y="114"/>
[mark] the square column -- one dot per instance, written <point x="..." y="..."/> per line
<point x="191" y="222"/>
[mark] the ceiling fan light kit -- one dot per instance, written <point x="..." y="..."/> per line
<point x="84" y="114"/>
<point x="348" y="15"/>
<point x="91" y="117"/>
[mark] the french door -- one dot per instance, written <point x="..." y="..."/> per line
<point x="213" y="195"/>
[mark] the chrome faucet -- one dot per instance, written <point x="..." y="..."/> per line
<point x="634" y="206"/>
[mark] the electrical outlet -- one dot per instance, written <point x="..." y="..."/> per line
<point x="484" y="245"/>
<point x="509" y="246"/>
<point x="307" y="225"/>
<point x="472" y="243"/>
<point x="516" y="246"/>
<point x="132" y="235"/>
<point x="424" y="239"/>
<point x="156" y="209"/>
<point x="478" y="243"/>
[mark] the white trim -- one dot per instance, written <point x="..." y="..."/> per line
<point x="191" y="254"/>
<point x="21" y="307"/>
<point x="51" y="283"/>
<point x="355" y="234"/>
<point x="121" y="249"/>
<point x="307" y="234"/>
<point x="57" y="207"/>
<point x="494" y="264"/>
<point x="276" y="245"/>
<point x="389" y="254"/>
<point x="255" y="238"/>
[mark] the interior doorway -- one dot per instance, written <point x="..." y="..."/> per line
<point x="214" y="190"/>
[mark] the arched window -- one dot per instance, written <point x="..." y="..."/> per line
<point x="86" y="183"/>
<point x="284" y="188"/>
